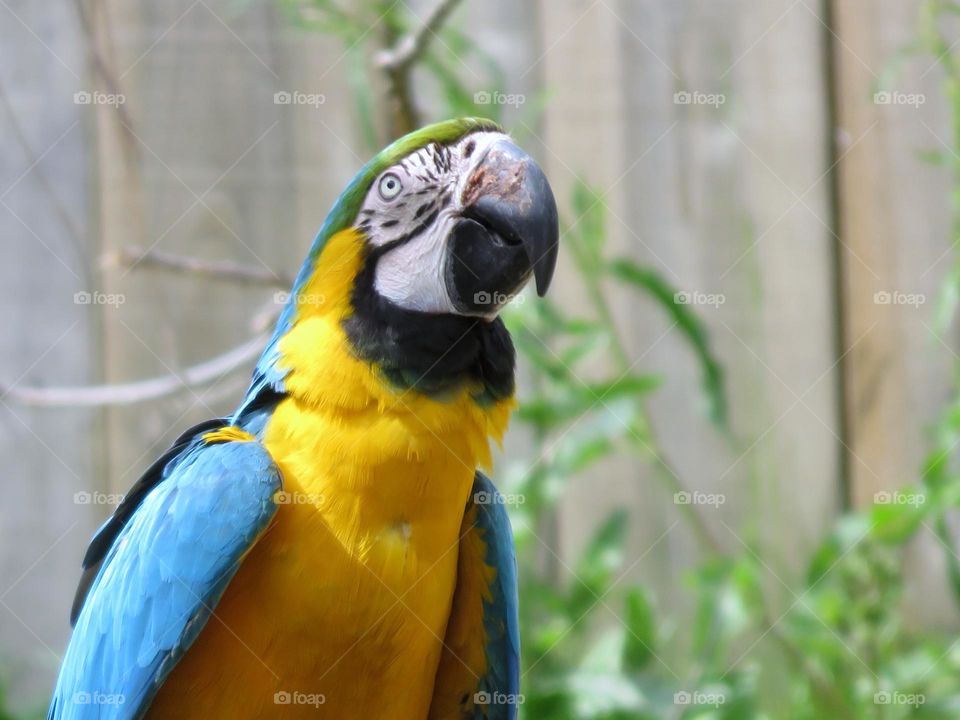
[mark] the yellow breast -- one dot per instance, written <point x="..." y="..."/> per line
<point x="346" y="597"/>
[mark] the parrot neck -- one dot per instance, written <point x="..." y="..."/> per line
<point x="371" y="454"/>
<point x="434" y="354"/>
<point x="347" y="351"/>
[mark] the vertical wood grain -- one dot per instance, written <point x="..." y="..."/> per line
<point x="894" y="213"/>
<point x="48" y="336"/>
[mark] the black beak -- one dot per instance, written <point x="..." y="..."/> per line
<point x="509" y="230"/>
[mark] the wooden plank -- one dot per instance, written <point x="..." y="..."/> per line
<point x="895" y="225"/>
<point x="49" y="455"/>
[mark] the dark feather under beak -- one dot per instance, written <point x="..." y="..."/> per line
<point x="509" y="230"/>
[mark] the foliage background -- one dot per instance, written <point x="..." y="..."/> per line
<point x="732" y="476"/>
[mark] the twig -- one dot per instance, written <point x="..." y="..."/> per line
<point x="136" y="392"/>
<point x="411" y="46"/>
<point x="221" y="269"/>
<point x="103" y="69"/>
<point x="397" y="62"/>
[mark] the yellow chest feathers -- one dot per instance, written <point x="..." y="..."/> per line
<point x="379" y="466"/>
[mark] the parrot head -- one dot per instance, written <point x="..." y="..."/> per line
<point x="459" y="224"/>
<point x="430" y="240"/>
<point x="456" y="218"/>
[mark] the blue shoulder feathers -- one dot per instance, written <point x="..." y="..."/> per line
<point x="161" y="568"/>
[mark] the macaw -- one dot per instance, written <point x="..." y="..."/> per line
<point x="331" y="549"/>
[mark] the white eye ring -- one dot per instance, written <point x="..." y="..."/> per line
<point x="390" y="186"/>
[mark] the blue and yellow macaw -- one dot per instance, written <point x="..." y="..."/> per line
<point x="331" y="550"/>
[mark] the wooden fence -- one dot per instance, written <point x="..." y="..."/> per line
<point x="740" y="148"/>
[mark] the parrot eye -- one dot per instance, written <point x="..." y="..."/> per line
<point x="390" y="186"/>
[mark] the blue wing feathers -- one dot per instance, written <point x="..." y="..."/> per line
<point x="501" y="618"/>
<point x="164" y="572"/>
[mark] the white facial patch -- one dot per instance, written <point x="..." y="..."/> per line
<point x="412" y="274"/>
<point x="418" y="217"/>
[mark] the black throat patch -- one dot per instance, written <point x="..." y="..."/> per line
<point x="431" y="353"/>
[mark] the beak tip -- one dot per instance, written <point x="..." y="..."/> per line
<point x="546" y="263"/>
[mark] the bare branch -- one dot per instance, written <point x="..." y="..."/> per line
<point x="411" y="46"/>
<point x="136" y="392"/>
<point x="397" y="62"/>
<point x="220" y="269"/>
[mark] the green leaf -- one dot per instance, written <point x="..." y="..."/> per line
<point x="896" y="522"/>
<point x="947" y="300"/>
<point x="598" y="565"/>
<point x="689" y="324"/>
<point x="934" y="157"/>
<point x="587" y="235"/>
<point x="850" y="531"/>
<point x="548" y="412"/>
<point x="641" y="640"/>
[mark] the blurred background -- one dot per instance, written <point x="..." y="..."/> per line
<point x="733" y="476"/>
